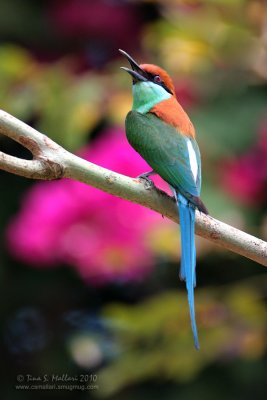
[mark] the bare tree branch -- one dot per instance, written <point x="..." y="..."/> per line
<point x="51" y="161"/>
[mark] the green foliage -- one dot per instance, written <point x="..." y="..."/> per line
<point x="156" y="342"/>
<point x="229" y="122"/>
<point x="64" y="108"/>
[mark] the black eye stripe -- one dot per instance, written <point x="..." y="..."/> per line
<point x="151" y="78"/>
<point x="167" y="89"/>
<point x="162" y="84"/>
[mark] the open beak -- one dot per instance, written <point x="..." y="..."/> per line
<point x="136" y="72"/>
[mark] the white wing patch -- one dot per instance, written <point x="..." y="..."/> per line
<point x="192" y="159"/>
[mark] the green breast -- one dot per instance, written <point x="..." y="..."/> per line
<point x="150" y="137"/>
<point x="164" y="149"/>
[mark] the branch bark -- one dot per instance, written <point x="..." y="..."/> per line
<point x="51" y="161"/>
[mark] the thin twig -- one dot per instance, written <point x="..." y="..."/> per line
<point x="51" y="161"/>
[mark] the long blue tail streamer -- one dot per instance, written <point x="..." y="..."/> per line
<point x="188" y="258"/>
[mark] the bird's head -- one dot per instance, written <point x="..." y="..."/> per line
<point x="151" y="84"/>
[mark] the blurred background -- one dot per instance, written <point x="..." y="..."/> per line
<point x="89" y="282"/>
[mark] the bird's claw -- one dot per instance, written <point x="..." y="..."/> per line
<point x="148" y="183"/>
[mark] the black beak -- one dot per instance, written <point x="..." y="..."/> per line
<point x="136" y="72"/>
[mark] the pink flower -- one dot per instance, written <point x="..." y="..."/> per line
<point x="240" y="178"/>
<point x="245" y="178"/>
<point x="102" y="236"/>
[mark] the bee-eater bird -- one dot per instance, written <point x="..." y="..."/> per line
<point x="161" y="132"/>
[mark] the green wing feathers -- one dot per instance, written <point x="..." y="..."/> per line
<point x="165" y="150"/>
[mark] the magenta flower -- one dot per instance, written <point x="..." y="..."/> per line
<point x="67" y="222"/>
<point x="245" y="178"/>
<point x="241" y="179"/>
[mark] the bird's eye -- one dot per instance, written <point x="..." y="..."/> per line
<point x="157" y="79"/>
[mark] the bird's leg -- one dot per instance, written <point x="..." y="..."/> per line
<point x="148" y="182"/>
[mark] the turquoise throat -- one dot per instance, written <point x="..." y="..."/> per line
<point x="146" y="95"/>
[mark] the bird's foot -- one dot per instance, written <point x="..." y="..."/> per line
<point x="148" y="183"/>
<point x="145" y="177"/>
